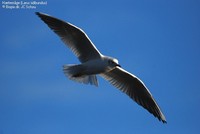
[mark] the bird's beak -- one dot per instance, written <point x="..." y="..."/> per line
<point x="118" y="65"/>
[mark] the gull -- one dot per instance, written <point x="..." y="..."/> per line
<point x="94" y="63"/>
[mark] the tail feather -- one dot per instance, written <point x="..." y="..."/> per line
<point x="74" y="72"/>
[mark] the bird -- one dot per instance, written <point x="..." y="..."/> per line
<point x="94" y="63"/>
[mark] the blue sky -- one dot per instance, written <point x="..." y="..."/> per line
<point x="158" y="41"/>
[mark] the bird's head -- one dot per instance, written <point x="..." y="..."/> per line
<point x="112" y="62"/>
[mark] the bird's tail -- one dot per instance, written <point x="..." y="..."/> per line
<point x="74" y="72"/>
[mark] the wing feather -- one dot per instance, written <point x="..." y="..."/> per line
<point x="73" y="37"/>
<point x="135" y="89"/>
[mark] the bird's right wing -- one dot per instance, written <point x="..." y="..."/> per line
<point x="73" y="37"/>
<point x="135" y="89"/>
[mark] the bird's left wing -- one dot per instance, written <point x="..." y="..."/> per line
<point x="135" y="89"/>
<point x="73" y="37"/>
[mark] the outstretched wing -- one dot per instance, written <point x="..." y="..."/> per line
<point x="134" y="88"/>
<point x="73" y="37"/>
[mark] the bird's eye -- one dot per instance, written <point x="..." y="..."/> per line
<point x="111" y="62"/>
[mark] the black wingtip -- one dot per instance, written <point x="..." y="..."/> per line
<point x="41" y="14"/>
<point x="164" y="121"/>
<point x="162" y="118"/>
<point x="38" y="13"/>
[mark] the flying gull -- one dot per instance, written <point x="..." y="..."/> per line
<point x="94" y="63"/>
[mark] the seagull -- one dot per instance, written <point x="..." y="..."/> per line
<point x="94" y="63"/>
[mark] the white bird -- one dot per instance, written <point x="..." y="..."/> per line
<point x="94" y="63"/>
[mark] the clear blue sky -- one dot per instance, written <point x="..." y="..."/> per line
<point x="158" y="41"/>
